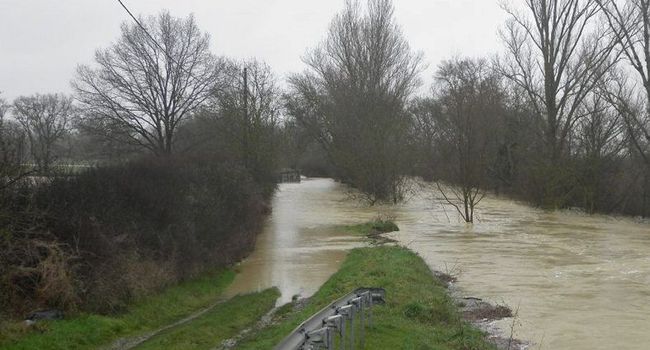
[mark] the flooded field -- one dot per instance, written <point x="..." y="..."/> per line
<point x="578" y="281"/>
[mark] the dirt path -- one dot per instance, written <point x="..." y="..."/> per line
<point x="130" y="343"/>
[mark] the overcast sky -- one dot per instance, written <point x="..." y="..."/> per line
<point x="42" y="41"/>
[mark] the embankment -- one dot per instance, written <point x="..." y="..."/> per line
<point x="419" y="313"/>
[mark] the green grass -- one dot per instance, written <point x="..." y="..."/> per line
<point x="223" y="322"/>
<point x="91" y="331"/>
<point x="377" y="225"/>
<point x="418" y="315"/>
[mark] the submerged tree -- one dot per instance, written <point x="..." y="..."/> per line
<point x="145" y="87"/>
<point x="45" y="120"/>
<point x="353" y="97"/>
<point x="472" y="102"/>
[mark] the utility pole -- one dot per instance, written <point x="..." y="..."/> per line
<point x="246" y="120"/>
<point x="246" y="94"/>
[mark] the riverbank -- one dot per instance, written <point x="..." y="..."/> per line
<point x="419" y="312"/>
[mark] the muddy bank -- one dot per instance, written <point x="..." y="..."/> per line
<point x="484" y="315"/>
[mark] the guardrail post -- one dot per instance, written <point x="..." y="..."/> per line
<point x="319" y="330"/>
<point x="367" y="304"/>
<point x="348" y="312"/>
<point x="319" y="337"/>
<point x="337" y="323"/>
<point x="358" y="305"/>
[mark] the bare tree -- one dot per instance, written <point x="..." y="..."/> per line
<point x="45" y="120"/>
<point x="472" y="102"/>
<point x="425" y="112"/>
<point x="12" y="149"/>
<point x="629" y="21"/>
<point x="145" y="87"/>
<point x="556" y="55"/>
<point x="601" y="134"/>
<point x="631" y="104"/>
<point x="246" y="114"/>
<point x="4" y="108"/>
<point x="353" y="97"/>
<point x="600" y="143"/>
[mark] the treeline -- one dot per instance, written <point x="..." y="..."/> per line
<point x="158" y="168"/>
<point x="559" y="119"/>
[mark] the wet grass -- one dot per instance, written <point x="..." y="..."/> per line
<point x="419" y="314"/>
<point x="89" y="331"/>
<point x="223" y="322"/>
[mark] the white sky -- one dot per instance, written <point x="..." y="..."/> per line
<point x="42" y="41"/>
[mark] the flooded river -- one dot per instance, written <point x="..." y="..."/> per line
<point x="578" y="281"/>
<point x="300" y="247"/>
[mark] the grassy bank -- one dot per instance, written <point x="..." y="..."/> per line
<point x="89" y="331"/>
<point x="419" y="313"/>
<point x="221" y="323"/>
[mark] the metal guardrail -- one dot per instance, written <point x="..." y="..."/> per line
<point x="337" y="322"/>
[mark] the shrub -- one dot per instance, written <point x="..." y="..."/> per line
<point x="100" y="238"/>
<point x="384" y="225"/>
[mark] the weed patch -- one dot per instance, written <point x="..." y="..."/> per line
<point x="88" y="331"/>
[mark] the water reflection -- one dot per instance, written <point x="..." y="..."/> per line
<point x="300" y="247"/>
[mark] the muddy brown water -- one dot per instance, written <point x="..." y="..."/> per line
<point x="578" y="281"/>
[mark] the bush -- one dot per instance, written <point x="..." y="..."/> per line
<point x="384" y="225"/>
<point x="97" y="240"/>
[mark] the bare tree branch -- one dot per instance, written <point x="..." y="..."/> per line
<point x="45" y="120"/>
<point x="140" y="94"/>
